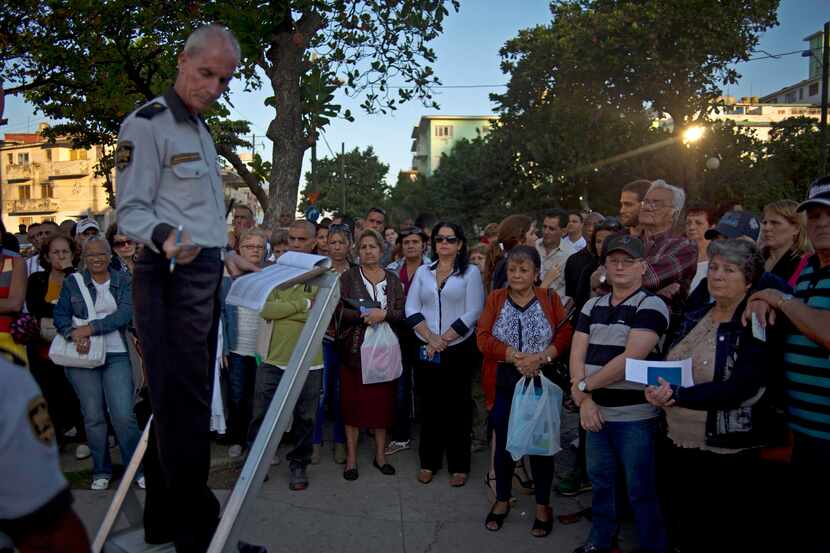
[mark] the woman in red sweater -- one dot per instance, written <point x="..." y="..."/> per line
<point x="518" y="335"/>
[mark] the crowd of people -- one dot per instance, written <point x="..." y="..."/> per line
<point x="744" y="298"/>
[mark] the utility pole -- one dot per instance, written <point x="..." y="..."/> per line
<point x="824" y="74"/>
<point x="2" y="122"/>
<point x="343" y="174"/>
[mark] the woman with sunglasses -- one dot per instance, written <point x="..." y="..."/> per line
<point x="123" y="250"/>
<point x="443" y="306"/>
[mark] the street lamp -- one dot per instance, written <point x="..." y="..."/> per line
<point x="693" y="134"/>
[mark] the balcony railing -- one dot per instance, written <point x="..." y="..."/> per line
<point x="32" y="205"/>
<point x="18" y="172"/>
<point x="76" y="168"/>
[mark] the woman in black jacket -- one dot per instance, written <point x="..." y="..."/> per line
<point x="717" y="426"/>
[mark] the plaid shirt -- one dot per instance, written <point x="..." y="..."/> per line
<point x="671" y="263"/>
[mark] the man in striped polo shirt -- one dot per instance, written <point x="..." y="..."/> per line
<point x="807" y="371"/>
<point x="621" y="425"/>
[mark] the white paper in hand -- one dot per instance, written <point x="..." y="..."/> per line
<point x="758" y="331"/>
<point x="677" y="373"/>
<point x="252" y="290"/>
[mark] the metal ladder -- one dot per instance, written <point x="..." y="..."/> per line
<point x="241" y="500"/>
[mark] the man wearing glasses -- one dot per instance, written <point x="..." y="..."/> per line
<point x="670" y="261"/>
<point x="621" y="426"/>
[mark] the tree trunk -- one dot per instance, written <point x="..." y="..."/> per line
<point x="286" y="129"/>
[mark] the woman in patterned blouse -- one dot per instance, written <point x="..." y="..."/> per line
<point x="518" y="330"/>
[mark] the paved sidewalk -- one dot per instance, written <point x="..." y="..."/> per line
<point x="387" y="514"/>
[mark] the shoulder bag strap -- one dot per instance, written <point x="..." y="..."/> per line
<point x="90" y="306"/>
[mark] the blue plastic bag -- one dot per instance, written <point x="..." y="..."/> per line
<point x="534" y="425"/>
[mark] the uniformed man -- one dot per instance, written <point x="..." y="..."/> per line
<point x="35" y="501"/>
<point x="170" y="197"/>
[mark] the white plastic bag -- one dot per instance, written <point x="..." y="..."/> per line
<point x="380" y="355"/>
<point x="534" y="424"/>
<point x="63" y="352"/>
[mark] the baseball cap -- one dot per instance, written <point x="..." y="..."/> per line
<point x="819" y="194"/>
<point x="85" y="224"/>
<point x="734" y="224"/>
<point x="631" y="245"/>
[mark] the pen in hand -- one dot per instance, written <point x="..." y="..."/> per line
<point x="178" y="243"/>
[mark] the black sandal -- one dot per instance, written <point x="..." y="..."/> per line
<point x="526" y="484"/>
<point x="545" y="525"/>
<point x="351" y="474"/>
<point x="497" y="518"/>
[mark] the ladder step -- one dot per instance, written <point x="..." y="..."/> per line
<point x="132" y="541"/>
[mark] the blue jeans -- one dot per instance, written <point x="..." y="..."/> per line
<point x="629" y="445"/>
<point x="331" y="392"/>
<point x="241" y="378"/>
<point x="107" y="388"/>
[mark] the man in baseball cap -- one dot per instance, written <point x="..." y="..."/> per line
<point x="631" y="245"/>
<point x="735" y="224"/>
<point x="819" y="194"/>
<point x="85" y="229"/>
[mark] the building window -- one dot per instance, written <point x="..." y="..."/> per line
<point x="48" y="155"/>
<point x="77" y="154"/>
<point x="443" y="131"/>
<point x="24" y="192"/>
<point x="800" y="93"/>
<point x="47" y="190"/>
<point x="813" y="91"/>
<point x="23" y="158"/>
<point x="27" y="221"/>
<point x="10" y="157"/>
<point x="790" y="97"/>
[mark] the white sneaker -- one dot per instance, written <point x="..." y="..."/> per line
<point x="100" y="484"/>
<point x="141" y="483"/>
<point x="395" y="447"/>
<point x="82" y="452"/>
<point x="71" y="433"/>
<point x="235" y="451"/>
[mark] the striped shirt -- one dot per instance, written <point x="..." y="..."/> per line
<point x="608" y="327"/>
<point x="807" y="364"/>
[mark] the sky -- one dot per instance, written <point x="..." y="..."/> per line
<point x="467" y="54"/>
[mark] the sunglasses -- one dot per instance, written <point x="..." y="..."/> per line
<point x="122" y="243"/>
<point x="447" y="239"/>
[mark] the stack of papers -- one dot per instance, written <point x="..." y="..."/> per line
<point x="252" y="290"/>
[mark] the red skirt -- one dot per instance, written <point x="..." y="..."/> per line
<point x="366" y="405"/>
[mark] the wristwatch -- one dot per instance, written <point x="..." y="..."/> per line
<point x="582" y="385"/>
<point x="784" y="299"/>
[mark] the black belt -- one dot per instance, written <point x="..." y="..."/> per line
<point x="204" y="253"/>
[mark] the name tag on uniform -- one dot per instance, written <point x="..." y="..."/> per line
<point x="184" y="158"/>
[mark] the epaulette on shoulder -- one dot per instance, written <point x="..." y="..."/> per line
<point x="151" y="110"/>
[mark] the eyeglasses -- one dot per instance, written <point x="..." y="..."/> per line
<point x="654" y="204"/>
<point x="447" y="239"/>
<point x="122" y="243"/>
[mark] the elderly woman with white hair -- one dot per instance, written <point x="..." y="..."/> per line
<point x="108" y="388"/>
<point x="717" y="425"/>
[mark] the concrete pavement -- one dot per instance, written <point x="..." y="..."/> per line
<point x="388" y="513"/>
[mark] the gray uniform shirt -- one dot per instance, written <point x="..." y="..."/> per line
<point x="30" y="474"/>
<point x="167" y="175"/>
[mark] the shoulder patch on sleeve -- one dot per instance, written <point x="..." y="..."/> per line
<point x="124" y="154"/>
<point x="151" y="110"/>
<point x="40" y="421"/>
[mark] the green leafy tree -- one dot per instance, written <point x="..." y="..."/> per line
<point x="91" y="62"/>
<point x="362" y="178"/>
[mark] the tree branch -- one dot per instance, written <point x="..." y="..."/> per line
<point x="242" y="170"/>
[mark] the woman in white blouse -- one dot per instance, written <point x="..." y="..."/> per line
<point x="444" y="302"/>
